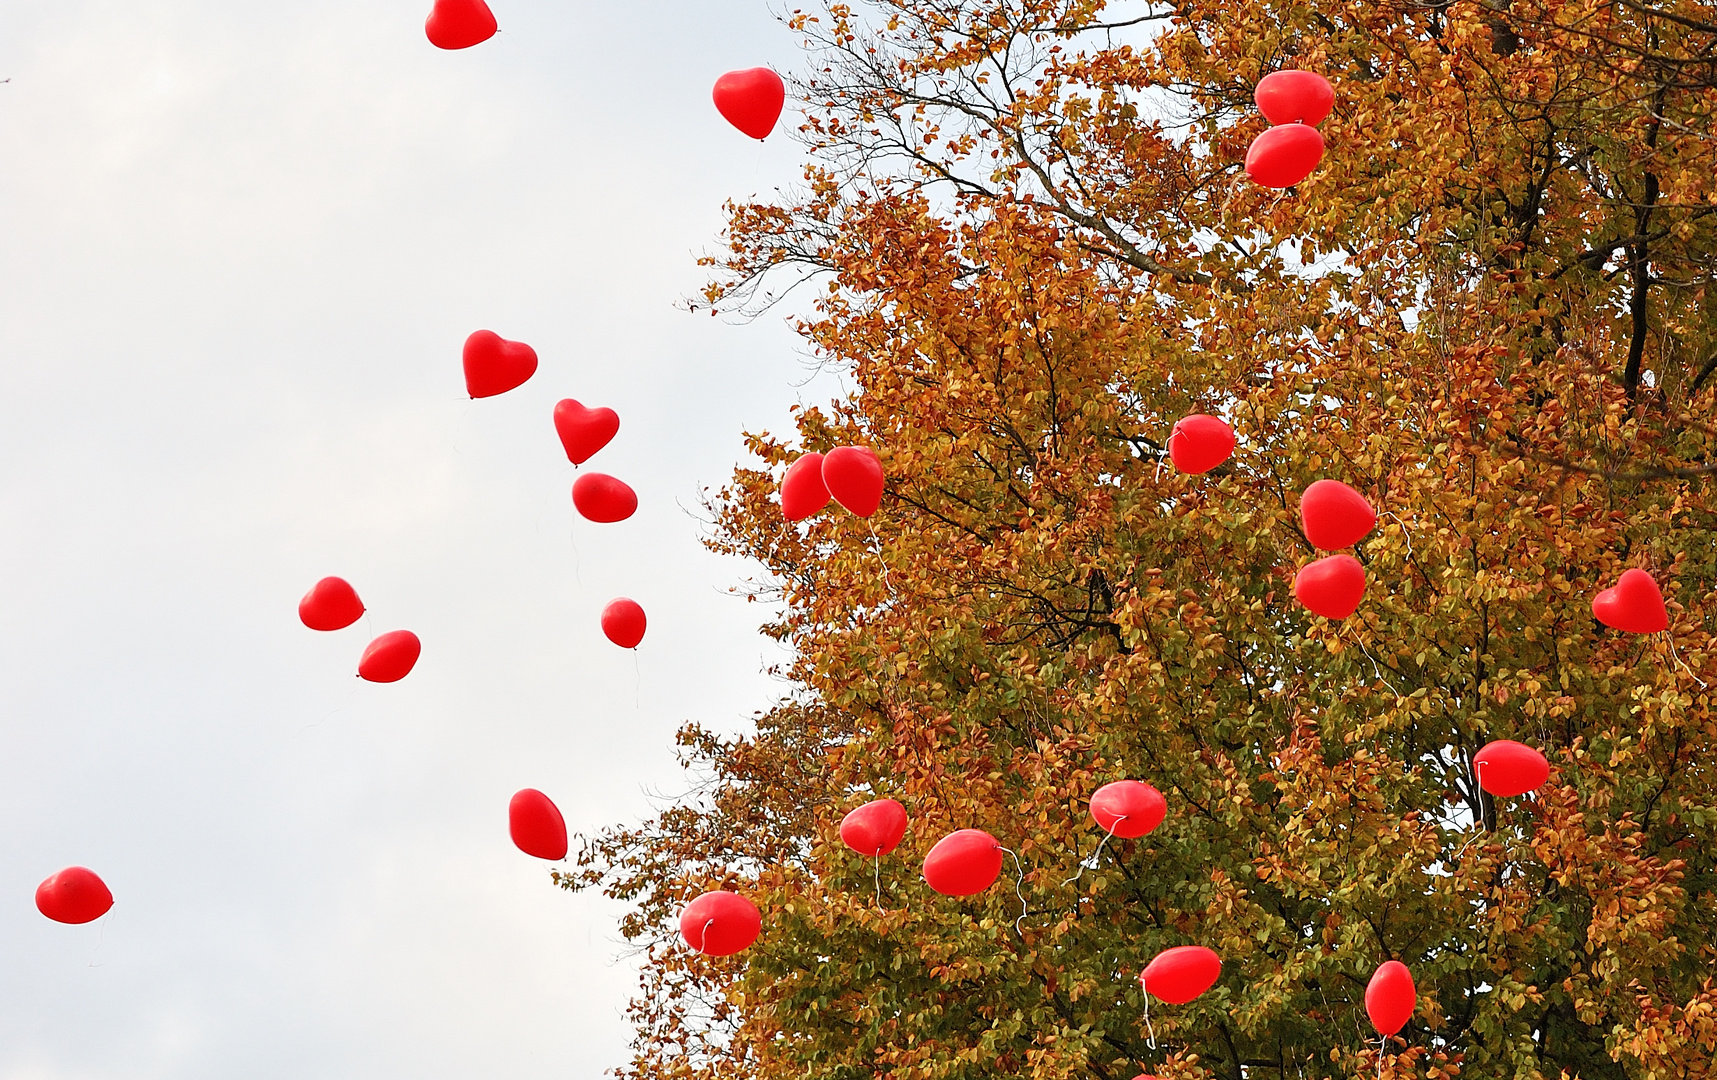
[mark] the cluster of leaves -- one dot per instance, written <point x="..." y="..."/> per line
<point x="1026" y="237"/>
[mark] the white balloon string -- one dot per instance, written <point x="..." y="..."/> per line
<point x="1091" y="863"/>
<point x="1405" y="535"/>
<point x="1150" y="1032"/>
<point x="876" y="873"/>
<point x="877" y="540"/>
<point x="703" y="937"/>
<point x="1382" y="1044"/>
<point x="1019" y="889"/>
<point x="637" y="681"/>
<point x="101" y="936"/>
<point x="1479" y="816"/>
<point x="1667" y="636"/>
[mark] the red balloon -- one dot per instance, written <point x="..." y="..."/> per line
<point x="853" y="475"/>
<point x="963" y="863"/>
<point x="1390" y="997"/>
<point x="1128" y="808"/>
<point x="1507" y="768"/>
<point x="876" y="828"/>
<point x="536" y="825"/>
<point x="74" y="895"/>
<point x="494" y="365"/>
<point x="751" y="100"/>
<point x="1294" y="97"/>
<point x="623" y="621"/>
<point x="1200" y="443"/>
<point x="1334" y="515"/>
<point x="584" y="431"/>
<point x="1634" y="604"/>
<point x="460" y="24"/>
<point x="1284" y="156"/>
<point x="803" y="492"/>
<point x="390" y="657"/>
<point x="601" y="498"/>
<point x="1180" y="974"/>
<point x="1331" y="587"/>
<point x="720" y="923"/>
<point x="330" y="605"/>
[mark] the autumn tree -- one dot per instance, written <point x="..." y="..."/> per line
<point x="1026" y="237"/>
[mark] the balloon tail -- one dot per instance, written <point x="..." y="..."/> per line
<point x="1150" y="1032"/>
<point x="1091" y="863"/>
<point x="1667" y="636"/>
<point x="877" y="540"/>
<point x="1019" y="889"/>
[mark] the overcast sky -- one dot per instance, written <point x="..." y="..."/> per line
<point x="241" y="244"/>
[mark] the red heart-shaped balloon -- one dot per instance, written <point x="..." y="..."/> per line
<point x="720" y="923"/>
<point x="603" y="499"/>
<point x="494" y="365"/>
<point x="536" y="826"/>
<point x="1331" y="587"/>
<point x="390" y="657"/>
<point x="751" y="100"/>
<point x="1294" y="97"/>
<point x="1284" y="156"/>
<point x="74" y="895"/>
<point x="330" y="605"/>
<point x="1128" y="808"/>
<point x="1390" y="997"/>
<point x="1507" y="768"/>
<point x="1200" y="443"/>
<point x="460" y="24"/>
<point x="963" y="863"/>
<point x="1182" y="973"/>
<point x="803" y="492"/>
<point x="853" y="475"/>
<point x="584" y="431"/>
<point x="876" y="828"/>
<point x="1633" y="604"/>
<point x="623" y="621"/>
<point x="1334" y="515"/>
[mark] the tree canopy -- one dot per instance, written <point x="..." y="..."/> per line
<point x="1025" y="235"/>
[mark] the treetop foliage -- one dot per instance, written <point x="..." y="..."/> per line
<point x="1025" y="236"/>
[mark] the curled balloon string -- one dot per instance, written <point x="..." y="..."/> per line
<point x="1150" y="1032"/>
<point x="1405" y="535"/>
<point x="1019" y="889"/>
<point x="876" y="875"/>
<point x="1670" y="638"/>
<point x="1091" y="863"/>
<point x="703" y="935"/>
<point x="1377" y="669"/>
